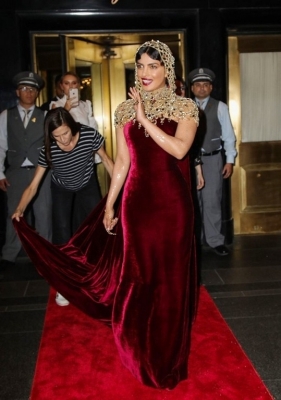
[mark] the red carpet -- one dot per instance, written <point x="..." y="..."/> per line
<point x="78" y="361"/>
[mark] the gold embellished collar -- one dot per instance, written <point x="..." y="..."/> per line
<point x="159" y="104"/>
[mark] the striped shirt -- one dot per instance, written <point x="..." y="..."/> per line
<point x="73" y="169"/>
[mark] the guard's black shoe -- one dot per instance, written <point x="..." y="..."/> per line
<point x="6" y="264"/>
<point x="221" y="250"/>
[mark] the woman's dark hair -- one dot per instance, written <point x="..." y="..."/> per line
<point x="151" y="52"/>
<point x="54" y="119"/>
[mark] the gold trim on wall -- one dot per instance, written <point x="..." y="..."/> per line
<point x="235" y="113"/>
<point x="256" y="189"/>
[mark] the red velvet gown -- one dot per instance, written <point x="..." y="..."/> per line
<point x="143" y="280"/>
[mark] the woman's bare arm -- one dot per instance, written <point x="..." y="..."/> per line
<point x="106" y="160"/>
<point x="119" y="175"/>
<point x="29" y="192"/>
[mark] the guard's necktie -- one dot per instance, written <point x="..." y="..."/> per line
<point x="26" y="117"/>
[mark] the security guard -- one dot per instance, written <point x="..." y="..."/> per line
<point x="214" y="129"/>
<point x="21" y="138"/>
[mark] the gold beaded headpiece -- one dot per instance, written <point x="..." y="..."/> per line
<point x="168" y="61"/>
<point x="162" y="103"/>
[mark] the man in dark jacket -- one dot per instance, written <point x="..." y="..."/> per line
<point x="58" y="94"/>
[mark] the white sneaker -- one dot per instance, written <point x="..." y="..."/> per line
<point x="61" y="301"/>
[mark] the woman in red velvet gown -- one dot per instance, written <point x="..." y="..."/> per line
<point x="156" y="293"/>
<point x="139" y="272"/>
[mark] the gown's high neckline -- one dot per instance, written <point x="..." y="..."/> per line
<point x="160" y="104"/>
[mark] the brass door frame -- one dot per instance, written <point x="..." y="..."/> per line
<point x="256" y="177"/>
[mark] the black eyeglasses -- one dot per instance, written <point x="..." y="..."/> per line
<point x="28" y="89"/>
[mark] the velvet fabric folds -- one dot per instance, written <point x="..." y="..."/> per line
<point x="143" y="281"/>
